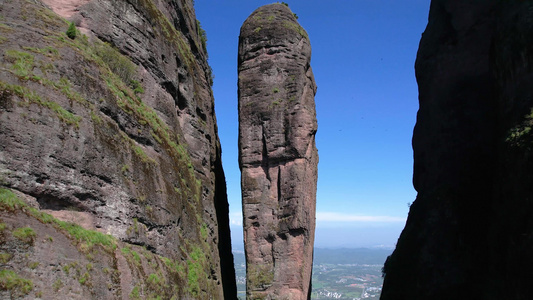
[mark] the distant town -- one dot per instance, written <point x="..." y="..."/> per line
<point x="352" y="274"/>
<point x="346" y="281"/>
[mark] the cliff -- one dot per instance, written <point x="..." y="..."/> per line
<point x="469" y="232"/>
<point x="111" y="127"/>
<point x="277" y="154"/>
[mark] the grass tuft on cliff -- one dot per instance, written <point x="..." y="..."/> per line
<point x="117" y="63"/>
<point x="11" y="203"/>
<point x="164" y="276"/>
<point x="11" y="281"/>
<point x="37" y="70"/>
<point x="25" y="234"/>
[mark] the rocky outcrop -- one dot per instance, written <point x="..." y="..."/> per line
<point x="277" y="153"/>
<point x="469" y="232"/>
<point x="114" y="130"/>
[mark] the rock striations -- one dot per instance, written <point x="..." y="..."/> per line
<point x="469" y="232"/>
<point x="115" y="131"/>
<point x="277" y="153"/>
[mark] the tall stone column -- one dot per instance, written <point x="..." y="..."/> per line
<point x="277" y="154"/>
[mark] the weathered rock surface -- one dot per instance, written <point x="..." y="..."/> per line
<point x="277" y="153"/>
<point x="469" y="232"/>
<point x="119" y="137"/>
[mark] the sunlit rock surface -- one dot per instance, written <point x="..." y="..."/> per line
<point x="277" y="153"/>
<point x="116" y="132"/>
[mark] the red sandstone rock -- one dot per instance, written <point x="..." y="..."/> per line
<point x="143" y="166"/>
<point x="277" y="153"/>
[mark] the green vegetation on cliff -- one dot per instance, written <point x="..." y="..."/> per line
<point x="9" y="202"/>
<point x="71" y="31"/>
<point x="119" y="75"/>
<point x="87" y="100"/>
<point x="11" y="281"/>
<point x="156" y="276"/>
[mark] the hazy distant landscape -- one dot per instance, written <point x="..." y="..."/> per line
<point x="337" y="273"/>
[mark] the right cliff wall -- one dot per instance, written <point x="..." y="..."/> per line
<point x="469" y="234"/>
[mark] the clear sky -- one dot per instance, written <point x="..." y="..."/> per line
<point x="363" y="62"/>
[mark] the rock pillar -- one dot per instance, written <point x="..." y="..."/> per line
<point x="277" y="154"/>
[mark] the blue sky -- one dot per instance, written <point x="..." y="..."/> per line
<point x="363" y="61"/>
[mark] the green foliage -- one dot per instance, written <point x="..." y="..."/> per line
<point x="71" y="31"/>
<point x="210" y="76"/>
<point x="174" y="266"/>
<point x="275" y="103"/>
<point x="142" y="155"/>
<point x="129" y="103"/>
<point x="136" y="225"/>
<point x="260" y="276"/>
<point x="195" y="272"/>
<point x="32" y="97"/>
<point x="154" y="280"/>
<point x="95" y="118"/>
<point x="125" y="251"/>
<point x="131" y="256"/>
<point x="47" y="51"/>
<point x="203" y="38"/>
<point x="137" y="87"/>
<point x="5" y="257"/>
<point x="84" y="279"/>
<point x="125" y="169"/>
<point x="136" y="257"/>
<point x="25" y="234"/>
<point x="194" y="269"/>
<point x="167" y="29"/>
<point x="57" y="284"/>
<point x="297" y="28"/>
<point x="203" y="35"/>
<point x="5" y="28"/>
<point x="203" y="231"/>
<point x="135" y="293"/>
<point x="11" y="281"/>
<point x="90" y="237"/>
<point x="64" y="86"/>
<point x="66" y="268"/>
<point x="64" y="115"/>
<point x="119" y="64"/>
<point x="288" y="6"/>
<point x="521" y="134"/>
<point x="22" y="63"/>
<point x="10" y="202"/>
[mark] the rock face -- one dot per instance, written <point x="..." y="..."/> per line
<point x="469" y="232"/>
<point x="277" y="153"/>
<point x="115" y="131"/>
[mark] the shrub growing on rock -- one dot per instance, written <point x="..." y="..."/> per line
<point x="71" y="31"/>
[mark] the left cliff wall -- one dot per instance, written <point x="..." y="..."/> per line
<point x="114" y="131"/>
